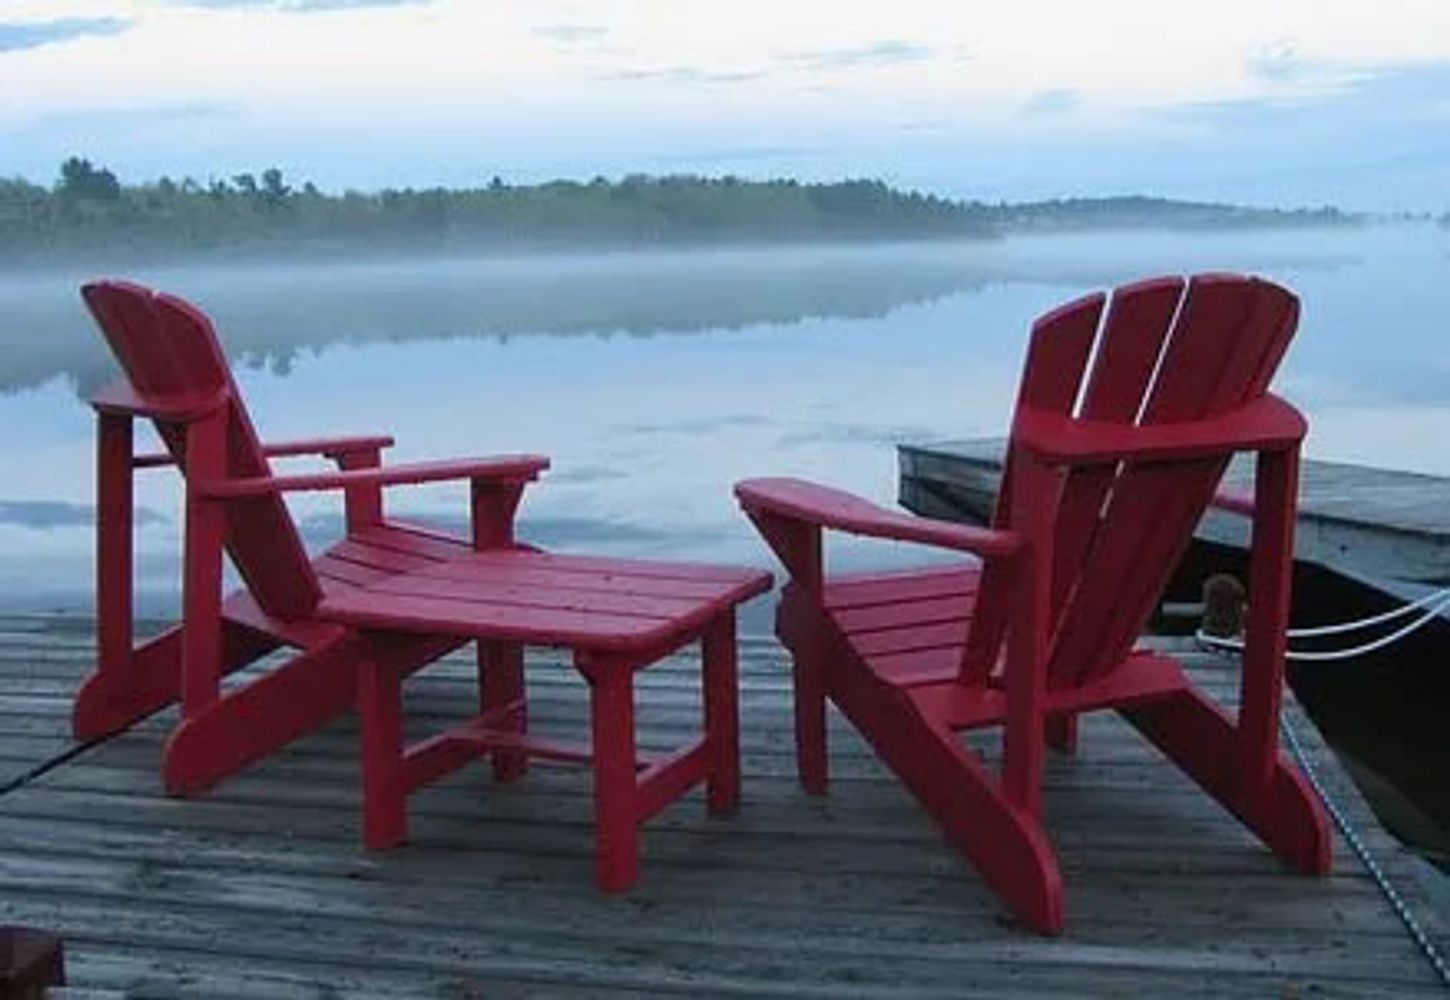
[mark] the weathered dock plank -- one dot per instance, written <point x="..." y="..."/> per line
<point x="261" y="888"/>
<point x="1378" y="523"/>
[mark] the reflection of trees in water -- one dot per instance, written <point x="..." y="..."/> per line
<point x="270" y="316"/>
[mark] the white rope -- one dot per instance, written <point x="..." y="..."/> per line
<point x="1349" y="653"/>
<point x="1434" y="597"/>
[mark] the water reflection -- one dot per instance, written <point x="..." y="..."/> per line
<point x="270" y="315"/>
<point x="786" y="361"/>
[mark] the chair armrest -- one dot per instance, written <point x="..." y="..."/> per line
<point x="824" y="507"/>
<point x="119" y="398"/>
<point x="499" y="468"/>
<point x="1267" y="424"/>
<point x="326" y="447"/>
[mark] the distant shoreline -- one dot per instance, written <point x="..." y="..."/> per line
<point x="89" y="217"/>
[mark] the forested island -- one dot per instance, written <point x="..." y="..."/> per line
<point x="89" y="214"/>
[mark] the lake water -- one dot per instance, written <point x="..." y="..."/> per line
<point x="655" y="380"/>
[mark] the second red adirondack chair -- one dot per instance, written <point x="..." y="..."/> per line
<point x="1124" y="425"/>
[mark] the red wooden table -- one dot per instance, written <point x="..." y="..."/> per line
<point x="616" y="615"/>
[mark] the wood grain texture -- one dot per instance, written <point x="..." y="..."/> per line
<point x="1376" y="522"/>
<point x="259" y="889"/>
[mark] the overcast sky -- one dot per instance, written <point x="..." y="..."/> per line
<point x="1298" y="102"/>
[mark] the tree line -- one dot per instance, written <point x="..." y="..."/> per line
<point x="88" y="211"/>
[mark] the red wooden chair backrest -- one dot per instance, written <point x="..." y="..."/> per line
<point x="167" y="348"/>
<point x="1168" y="351"/>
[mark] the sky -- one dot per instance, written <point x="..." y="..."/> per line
<point x="1266" y="102"/>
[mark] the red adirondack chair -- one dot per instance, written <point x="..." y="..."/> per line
<point x="1117" y="445"/>
<point x="387" y="600"/>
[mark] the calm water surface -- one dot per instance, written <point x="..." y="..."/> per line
<point x="656" y="380"/>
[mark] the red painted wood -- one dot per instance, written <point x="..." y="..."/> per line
<point x="119" y="399"/>
<point x="387" y="600"/>
<point x="911" y="636"/>
<point x="114" y="515"/>
<point x="881" y="617"/>
<point x="594" y="616"/>
<point x="868" y="591"/>
<point x="797" y="543"/>
<point x="362" y="502"/>
<point x="917" y="666"/>
<point x="483" y="740"/>
<point x="729" y="575"/>
<point x="722" y="715"/>
<point x="389" y="561"/>
<point x="335" y="448"/>
<point x="411" y="540"/>
<point x="385" y="794"/>
<point x="527" y="570"/>
<point x="508" y="467"/>
<point x="201" y="585"/>
<point x="32" y="962"/>
<point x="501" y="686"/>
<point x="1119" y="439"/>
<point x="482" y="589"/>
<point x="616" y="803"/>
<point x="801" y="500"/>
<point x="665" y="781"/>
<point x="1196" y="385"/>
<point x="170" y="354"/>
<point x="536" y="626"/>
<point x="1271" y="570"/>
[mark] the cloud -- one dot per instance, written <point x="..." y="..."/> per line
<point x="734" y="154"/>
<point x="1360" y="100"/>
<point x="1276" y="61"/>
<point x="571" y="33"/>
<point x="15" y="36"/>
<point x="42" y="515"/>
<point x="685" y="74"/>
<point x="886" y="52"/>
<point x="297" y="6"/>
<point x="1051" y="102"/>
<point x="132" y="117"/>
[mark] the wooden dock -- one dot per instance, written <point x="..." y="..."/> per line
<point x="261" y="889"/>
<point x="1377" y="523"/>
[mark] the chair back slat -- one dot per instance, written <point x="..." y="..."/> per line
<point x="1057" y="355"/>
<point x="1129" y="347"/>
<point x="166" y="347"/>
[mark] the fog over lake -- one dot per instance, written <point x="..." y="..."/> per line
<point x="655" y="380"/>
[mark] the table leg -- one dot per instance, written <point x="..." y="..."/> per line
<point x="616" y="814"/>
<point x="722" y="714"/>
<point x="501" y="682"/>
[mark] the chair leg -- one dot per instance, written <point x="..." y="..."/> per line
<point x="722" y="714"/>
<point x="616" y="812"/>
<point x="385" y="816"/>
<point x="1004" y="841"/>
<point x="501" y="682"/>
<point x="1201" y="739"/>
<point x="798" y="626"/>
<point x="1062" y="733"/>
<point x="810" y="726"/>
<point x="1008" y="847"/>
